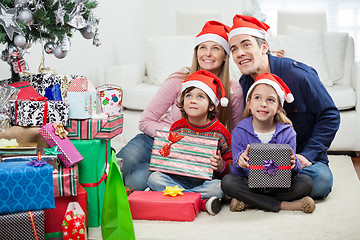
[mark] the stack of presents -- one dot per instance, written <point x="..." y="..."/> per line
<point x="55" y="142"/>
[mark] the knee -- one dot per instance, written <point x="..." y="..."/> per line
<point x="225" y="183"/>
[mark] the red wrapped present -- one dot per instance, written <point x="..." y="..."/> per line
<point x="55" y="217"/>
<point x="152" y="205"/>
<point x="95" y="128"/>
<point x="26" y="90"/>
<point x="180" y="154"/>
<point x="73" y="226"/>
<point x="65" y="181"/>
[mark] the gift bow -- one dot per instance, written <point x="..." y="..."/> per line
<point x="270" y="167"/>
<point x="173" y="138"/>
<point x="52" y="151"/>
<point x="60" y="130"/>
<point x="173" y="191"/>
<point x="37" y="162"/>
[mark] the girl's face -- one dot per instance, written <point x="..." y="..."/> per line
<point x="264" y="103"/>
<point x="211" y="56"/>
<point x="196" y="106"/>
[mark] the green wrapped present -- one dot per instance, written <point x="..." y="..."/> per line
<point x="92" y="174"/>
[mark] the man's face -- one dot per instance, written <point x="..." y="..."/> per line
<point x="247" y="54"/>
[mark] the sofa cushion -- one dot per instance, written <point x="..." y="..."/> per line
<point x="138" y="97"/>
<point x="166" y="54"/>
<point x="344" y="97"/>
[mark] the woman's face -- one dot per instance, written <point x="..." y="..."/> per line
<point x="210" y="56"/>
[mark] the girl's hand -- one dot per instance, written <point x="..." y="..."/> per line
<point x="216" y="162"/>
<point x="244" y="158"/>
<point x="293" y="159"/>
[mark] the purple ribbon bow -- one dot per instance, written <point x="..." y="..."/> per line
<point x="270" y="167"/>
<point x="36" y="163"/>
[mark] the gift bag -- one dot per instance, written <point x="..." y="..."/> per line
<point x="73" y="226"/>
<point x="110" y="99"/>
<point x="116" y="220"/>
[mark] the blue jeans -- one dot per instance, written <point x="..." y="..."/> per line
<point x="207" y="188"/>
<point x="136" y="158"/>
<point x="322" y="178"/>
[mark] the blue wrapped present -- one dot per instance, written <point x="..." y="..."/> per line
<point x="25" y="188"/>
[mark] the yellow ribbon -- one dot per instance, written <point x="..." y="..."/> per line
<point x="60" y="130"/>
<point x="173" y="191"/>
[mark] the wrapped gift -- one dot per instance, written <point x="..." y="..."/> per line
<point x="54" y="217"/>
<point x="153" y="205"/>
<point x="81" y="97"/>
<point x="95" y="128"/>
<point x="110" y="99"/>
<point x="269" y="165"/>
<point x="25" y="188"/>
<point x="22" y="225"/>
<point x="74" y="226"/>
<point x="92" y="174"/>
<point x="180" y="154"/>
<point x="65" y="181"/>
<point x="36" y="113"/>
<point x="25" y="135"/>
<point x="26" y="90"/>
<point x="54" y="135"/>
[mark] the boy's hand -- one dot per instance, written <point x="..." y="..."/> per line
<point x="244" y="158"/>
<point x="216" y="162"/>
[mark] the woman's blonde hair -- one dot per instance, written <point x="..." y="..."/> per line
<point x="224" y="113"/>
<point x="279" y="117"/>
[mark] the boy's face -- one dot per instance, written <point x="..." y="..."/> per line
<point x="197" y="105"/>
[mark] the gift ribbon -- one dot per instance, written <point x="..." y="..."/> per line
<point x="36" y="99"/>
<point x="173" y="138"/>
<point x="60" y="130"/>
<point x="270" y="167"/>
<point x="173" y="191"/>
<point x="52" y="151"/>
<point x="33" y="226"/>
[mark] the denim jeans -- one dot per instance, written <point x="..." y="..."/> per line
<point x="322" y="178"/>
<point x="136" y="158"/>
<point x="207" y="188"/>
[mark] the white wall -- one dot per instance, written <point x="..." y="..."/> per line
<point x="123" y="25"/>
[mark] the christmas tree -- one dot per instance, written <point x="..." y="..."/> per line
<point x="52" y="22"/>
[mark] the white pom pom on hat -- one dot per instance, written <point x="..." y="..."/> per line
<point x="209" y="83"/>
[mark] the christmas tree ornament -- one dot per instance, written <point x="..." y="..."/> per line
<point x="5" y="55"/>
<point x="49" y="47"/>
<point x="65" y="44"/>
<point x="27" y="45"/>
<point x="14" y="51"/>
<point x="76" y="19"/>
<point x="19" y="65"/>
<point x="96" y="39"/>
<point x="88" y="32"/>
<point x="26" y="16"/>
<point x="20" y="40"/>
<point x="8" y="21"/>
<point x="59" y="14"/>
<point x="59" y="53"/>
<point x="21" y="3"/>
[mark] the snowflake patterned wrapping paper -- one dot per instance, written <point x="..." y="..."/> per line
<point x="25" y="188"/>
<point x="70" y="155"/>
<point x="190" y="156"/>
<point x="22" y="225"/>
<point x="95" y="128"/>
<point x="73" y="226"/>
<point x="269" y="166"/>
<point x="32" y="113"/>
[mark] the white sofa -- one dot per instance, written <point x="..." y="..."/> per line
<point x="330" y="53"/>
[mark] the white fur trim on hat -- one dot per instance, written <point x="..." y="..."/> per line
<point x="276" y="86"/>
<point x="215" y="38"/>
<point x="203" y="86"/>
<point x="251" y="31"/>
<point x="224" y="102"/>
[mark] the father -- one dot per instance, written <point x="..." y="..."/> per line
<point x="313" y="113"/>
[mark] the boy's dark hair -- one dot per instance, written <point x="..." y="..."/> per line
<point x="211" y="114"/>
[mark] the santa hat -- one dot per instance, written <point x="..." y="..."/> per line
<point x="209" y="83"/>
<point x="280" y="87"/>
<point x="216" y="32"/>
<point x="243" y="24"/>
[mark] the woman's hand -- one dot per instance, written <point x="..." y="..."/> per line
<point x="243" y="158"/>
<point x="216" y="162"/>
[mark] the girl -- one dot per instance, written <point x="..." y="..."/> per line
<point x="211" y="53"/>
<point x="198" y="103"/>
<point x="264" y="121"/>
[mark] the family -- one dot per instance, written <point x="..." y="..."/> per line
<point x="277" y="100"/>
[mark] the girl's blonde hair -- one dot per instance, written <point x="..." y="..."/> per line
<point x="279" y="117"/>
<point x="224" y="113"/>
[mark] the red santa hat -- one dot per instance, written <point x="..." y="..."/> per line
<point x="214" y="31"/>
<point x="209" y="83"/>
<point x="243" y="24"/>
<point x="280" y="87"/>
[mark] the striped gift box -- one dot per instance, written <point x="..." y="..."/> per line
<point x="95" y="128"/>
<point x="190" y="156"/>
<point x="65" y="181"/>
